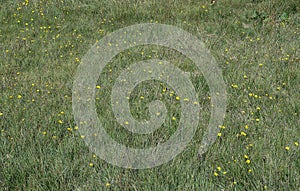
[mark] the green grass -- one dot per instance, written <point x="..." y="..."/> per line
<point x="256" y="44"/>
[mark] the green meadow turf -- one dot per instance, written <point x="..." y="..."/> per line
<point x="255" y="43"/>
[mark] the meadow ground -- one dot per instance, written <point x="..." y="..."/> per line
<point x="255" y="43"/>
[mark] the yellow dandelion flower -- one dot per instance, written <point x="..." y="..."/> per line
<point x="98" y="87"/>
<point x="91" y="164"/>
<point x="177" y="98"/>
<point x="248" y="161"/>
<point x="19" y="97"/>
<point x="219" y="168"/>
<point x="107" y="184"/>
<point x="60" y="121"/>
<point x="243" y="133"/>
<point x="219" y="134"/>
<point x="246" y="156"/>
<point x="173" y="118"/>
<point x="222" y="127"/>
<point x="1" y="113"/>
<point x="297" y="144"/>
<point x="287" y="148"/>
<point x="234" y="86"/>
<point x="216" y="174"/>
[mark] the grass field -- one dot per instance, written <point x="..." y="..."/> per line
<point x="256" y="44"/>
